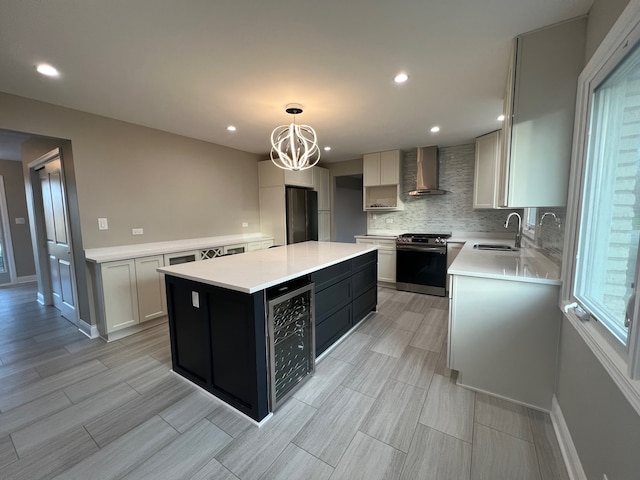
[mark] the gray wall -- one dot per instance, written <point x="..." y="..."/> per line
<point x="602" y="16"/>
<point x="604" y="427"/>
<point x="172" y="186"/>
<point x="17" y="207"/>
<point x="350" y="220"/>
<point x="452" y="211"/>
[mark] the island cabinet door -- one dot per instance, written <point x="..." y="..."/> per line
<point x="239" y="352"/>
<point x="189" y="330"/>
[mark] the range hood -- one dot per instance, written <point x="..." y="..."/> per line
<point x="427" y="173"/>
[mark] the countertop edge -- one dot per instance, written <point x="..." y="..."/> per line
<point x="124" y="252"/>
<point x="276" y="281"/>
<point x="463" y="266"/>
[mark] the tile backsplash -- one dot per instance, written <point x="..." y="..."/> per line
<point x="549" y="237"/>
<point x="451" y="212"/>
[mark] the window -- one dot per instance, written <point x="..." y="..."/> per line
<point x="610" y="218"/>
<point x="603" y="230"/>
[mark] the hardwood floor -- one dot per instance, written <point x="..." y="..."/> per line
<point x="382" y="405"/>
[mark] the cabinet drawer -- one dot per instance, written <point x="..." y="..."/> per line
<point x="332" y="298"/>
<point x="364" y="304"/>
<point x="330" y="275"/>
<point x="363" y="261"/>
<point x="332" y="328"/>
<point x="363" y="280"/>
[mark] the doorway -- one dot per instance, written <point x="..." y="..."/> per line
<point x="7" y="262"/>
<point x="53" y="234"/>
<point x="349" y="218"/>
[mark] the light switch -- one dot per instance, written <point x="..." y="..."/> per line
<point x="137" y="231"/>
<point x="20" y="221"/>
<point x="103" y="224"/>
<point x="245" y="224"/>
<point x="195" y="299"/>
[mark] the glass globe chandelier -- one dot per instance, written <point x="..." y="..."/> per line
<point x="294" y="147"/>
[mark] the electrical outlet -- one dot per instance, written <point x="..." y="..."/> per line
<point x="389" y="220"/>
<point x="137" y="231"/>
<point x="245" y="224"/>
<point x="20" y="221"/>
<point x="103" y="224"/>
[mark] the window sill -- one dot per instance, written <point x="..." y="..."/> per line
<point x="610" y="358"/>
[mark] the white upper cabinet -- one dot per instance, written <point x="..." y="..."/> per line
<point x="381" y="180"/>
<point x="381" y="168"/>
<point x="539" y="112"/>
<point x="486" y="177"/>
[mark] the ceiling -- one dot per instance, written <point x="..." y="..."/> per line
<point x="193" y="67"/>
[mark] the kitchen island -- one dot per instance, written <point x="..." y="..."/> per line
<point x="219" y="312"/>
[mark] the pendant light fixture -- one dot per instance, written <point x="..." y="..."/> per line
<point x="294" y="147"/>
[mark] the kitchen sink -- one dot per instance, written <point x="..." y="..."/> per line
<point x="495" y="247"/>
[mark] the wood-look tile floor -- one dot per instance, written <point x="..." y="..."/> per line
<point x="382" y="405"/>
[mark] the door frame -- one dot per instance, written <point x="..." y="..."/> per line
<point x="45" y="289"/>
<point x="10" y="261"/>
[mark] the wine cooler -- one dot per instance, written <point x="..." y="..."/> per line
<point x="291" y="327"/>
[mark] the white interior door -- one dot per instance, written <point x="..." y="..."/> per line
<point x="57" y="235"/>
<point x="6" y="253"/>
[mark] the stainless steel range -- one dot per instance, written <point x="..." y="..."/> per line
<point x="421" y="263"/>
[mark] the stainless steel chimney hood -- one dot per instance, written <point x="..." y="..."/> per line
<point x="427" y="173"/>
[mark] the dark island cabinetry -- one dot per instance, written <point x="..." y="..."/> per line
<point x="218" y="342"/>
<point x="219" y="336"/>
<point x="345" y="294"/>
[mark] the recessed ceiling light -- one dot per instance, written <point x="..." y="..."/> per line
<point x="231" y="128"/>
<point x="48" y="70"/>
<point x="327" y="149"/>
<point x="500" y="118"/>
<point x="435" y="129"/>
<point x="401" y="77"/>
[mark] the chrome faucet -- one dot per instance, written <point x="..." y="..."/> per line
<point x="550" y="214"/>
<point x="519" y="231"/>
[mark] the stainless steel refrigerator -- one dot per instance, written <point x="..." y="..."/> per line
<point x="302" y="215"/>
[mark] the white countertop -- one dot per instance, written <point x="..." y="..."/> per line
<point x="525" y="265"/>
<point x="254" y="271"/>
<point x="124" y="252"/>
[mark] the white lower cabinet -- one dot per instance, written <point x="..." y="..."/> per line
<point x="120" y="295"/>
<point x="152" y="297"/>
<point x="387" y="265"/>
<point x="503" y="337"/>
<point x="260" y="245"/>
<point x="130" y="292"/>
<point x="386" y="258"/>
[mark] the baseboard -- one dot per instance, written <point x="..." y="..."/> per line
<point x="27" y="279"/>
<point x="90" y="331"/>
<point x="568" y="449"/>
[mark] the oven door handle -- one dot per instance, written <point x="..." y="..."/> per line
<point x="409" y="248"/>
